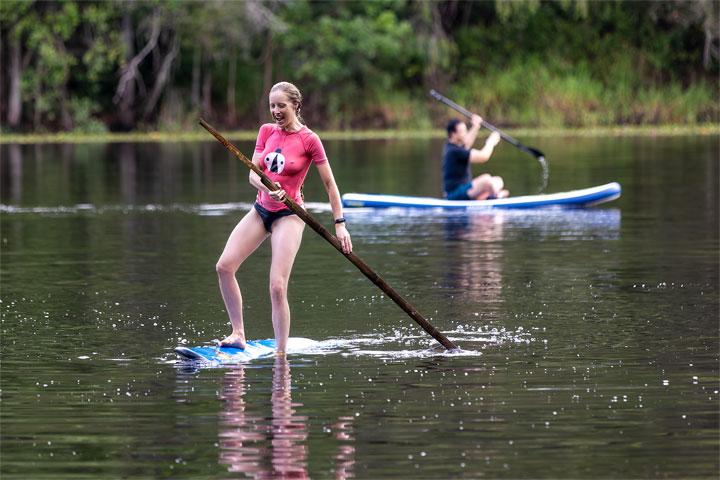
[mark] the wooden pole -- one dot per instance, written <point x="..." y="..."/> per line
<point x="357" y="261"/>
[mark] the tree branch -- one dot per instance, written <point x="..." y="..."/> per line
<point x="130" y="71"/>
<point x="162" y="76"/>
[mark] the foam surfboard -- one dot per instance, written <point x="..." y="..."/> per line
<point x="254" y="349"/>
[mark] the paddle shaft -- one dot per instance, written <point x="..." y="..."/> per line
<point x="504" y="136"/>
<point x="322" y="231"/>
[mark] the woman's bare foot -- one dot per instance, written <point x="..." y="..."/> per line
<point x="235" y="340"/>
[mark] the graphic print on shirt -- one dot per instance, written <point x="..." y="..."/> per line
<point x="275" y="161"/>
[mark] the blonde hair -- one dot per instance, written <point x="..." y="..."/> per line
<point x="293" y="94"/>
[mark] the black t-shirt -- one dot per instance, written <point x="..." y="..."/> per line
<point x="455" y="167"/>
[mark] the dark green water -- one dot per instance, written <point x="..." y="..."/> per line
<point x="590" y="337"/>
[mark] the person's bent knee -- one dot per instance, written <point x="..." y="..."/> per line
<point x="223" y="268"/>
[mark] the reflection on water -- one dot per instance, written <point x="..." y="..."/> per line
<point x="128" y="172"/>
<point x="477" y="240"/>
<point x="245" y="432"/>
<point x="344" y="459"/>
<point x="119" y="174"/>
<point x="15" y="177"/>
<point x="560" y="222"/>
<point x="478" y="248"/>
<point x="274" y="446"/>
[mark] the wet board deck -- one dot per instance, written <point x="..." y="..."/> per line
<point x="574" y="198"/>
<point x="254" y="350"/>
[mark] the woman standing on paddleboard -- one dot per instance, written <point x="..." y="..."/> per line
<point x="284" y="151"/>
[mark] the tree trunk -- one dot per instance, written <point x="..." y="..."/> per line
<point x="710" y="49"/>
<point x="438" y="45"/>
<point x="279" y="60"/>
<point x="14" y="97"/>
<point x="196" y="71"/>
<point x="4" y="69"/>
<point x="37" y="113"/>
<point x="162" y="76"/>
<point x="127" y="100"/>
<point x="125" y="93"/>
<point x="267" y="80"/>
<point x="232" y="77"/>
<point x="207" y="84"/>
<point x="66" y="118"/>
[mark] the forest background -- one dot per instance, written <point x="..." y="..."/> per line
<point x="159" y="65"/>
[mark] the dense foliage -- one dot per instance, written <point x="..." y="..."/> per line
<point x="159" y="64"/>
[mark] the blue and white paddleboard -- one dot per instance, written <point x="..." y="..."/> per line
<point x="254" y="349"/>
<point x="575" y="198"/>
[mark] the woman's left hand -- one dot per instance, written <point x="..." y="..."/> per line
<point x="277" y="195"/>
<point x="344" y="237"/>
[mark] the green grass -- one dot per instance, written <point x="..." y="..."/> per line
<point x="559" y="95"/>
<point x="201" y="135"/>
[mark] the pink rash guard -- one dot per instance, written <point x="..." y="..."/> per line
<point x="286" y="158"/>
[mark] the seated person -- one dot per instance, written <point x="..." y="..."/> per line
<point x="458" y="154"/>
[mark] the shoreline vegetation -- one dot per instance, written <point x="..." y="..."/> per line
<point x="365" y="68"/>
<point x="383" y="134"/>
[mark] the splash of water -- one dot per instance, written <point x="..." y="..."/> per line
<point x="545" y="173"/>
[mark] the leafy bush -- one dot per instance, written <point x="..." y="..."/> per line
<point x="83" y="110"/>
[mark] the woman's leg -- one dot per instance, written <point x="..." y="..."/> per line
<point x="244" y="239"/>
<point x="285" y="241"/>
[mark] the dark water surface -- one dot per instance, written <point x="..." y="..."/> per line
<point x="589" y="337"/>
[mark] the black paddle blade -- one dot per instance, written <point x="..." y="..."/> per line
<point x="532" y="151"/>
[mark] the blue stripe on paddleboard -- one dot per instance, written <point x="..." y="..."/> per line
<point x="584" y="197"/>
<point x="253" y="350"/>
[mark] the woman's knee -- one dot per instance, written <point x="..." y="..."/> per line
<point x="224" y="268"/>
<point x="278" y="288"/>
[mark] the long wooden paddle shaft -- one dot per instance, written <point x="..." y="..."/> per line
<point x="357" y="261"/>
